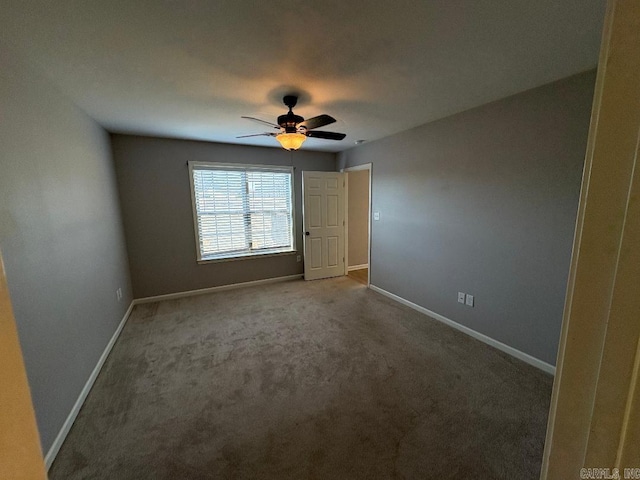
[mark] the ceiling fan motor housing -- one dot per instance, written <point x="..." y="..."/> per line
<point x="290" y="119"/>
<point x="289" y="122"/>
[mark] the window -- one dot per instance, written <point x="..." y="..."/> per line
<point x="241" y="210"/>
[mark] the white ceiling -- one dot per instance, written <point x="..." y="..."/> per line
<point x="191" y="68"/>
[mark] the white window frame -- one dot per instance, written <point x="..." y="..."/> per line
<point x="193" y="165"/>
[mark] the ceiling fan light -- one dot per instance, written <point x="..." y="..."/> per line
<point x="291" y="141"/>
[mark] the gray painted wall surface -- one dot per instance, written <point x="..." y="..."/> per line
<point x="61" y="237"/>
<point x="484" y="202"/>
<point x="358" y="217"/>
<point x="156" y="202"/>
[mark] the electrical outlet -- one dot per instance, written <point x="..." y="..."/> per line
<point x="376" y="216"/>
<point x="460" y="297"/>
<point x="469" y="300"/>
<point x="299" y="258"/>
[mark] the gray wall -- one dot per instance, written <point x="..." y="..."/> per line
<point x="358" y="217"/>
<point x="61" y="238"/>
<point x="156" y="202"/>
<point x="484" y="202"/>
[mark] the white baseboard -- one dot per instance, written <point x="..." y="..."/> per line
<point x="62" y="435"/>
<point x="202" y="291"/>
<point x="525" y="357"/>
<point x="357" y="267"/>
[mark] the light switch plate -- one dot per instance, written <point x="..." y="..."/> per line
<point x="470" y="300"/>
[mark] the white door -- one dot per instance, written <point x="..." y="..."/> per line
<point x="323" y="214"/>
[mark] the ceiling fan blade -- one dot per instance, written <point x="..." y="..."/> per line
<point x="269" y="134"/>
<point x="262" y="121"/>
<point x="326" y="135"/>
<point x="317" y="122"/>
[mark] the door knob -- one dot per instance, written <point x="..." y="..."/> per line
<point x="306" y="233"/>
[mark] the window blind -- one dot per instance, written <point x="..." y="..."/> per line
<point x="241" y="210"/>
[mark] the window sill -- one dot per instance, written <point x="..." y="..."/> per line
<point x="248" y="256"/>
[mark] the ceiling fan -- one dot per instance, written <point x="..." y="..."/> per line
<point x="294" y="129"/>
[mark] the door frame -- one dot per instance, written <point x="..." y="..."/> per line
<point x="21" y="456"/>
<point x="364" y="166"/>
<point x="594" y="419"/>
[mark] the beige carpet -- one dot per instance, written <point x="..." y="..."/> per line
<point x="297" y="380"/>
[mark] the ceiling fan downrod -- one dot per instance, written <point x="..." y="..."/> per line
<point x="290" y="120"/>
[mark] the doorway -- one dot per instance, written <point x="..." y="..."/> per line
<point x="358" y="232"/>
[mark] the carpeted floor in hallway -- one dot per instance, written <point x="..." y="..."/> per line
<point x="304" y="380"/>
